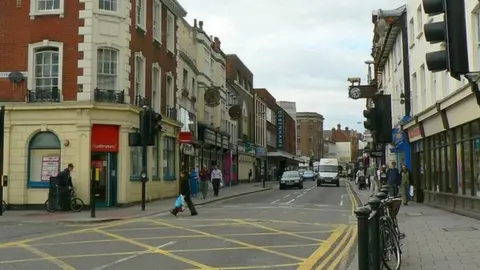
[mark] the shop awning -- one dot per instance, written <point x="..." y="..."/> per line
<point x="283" y="154"/>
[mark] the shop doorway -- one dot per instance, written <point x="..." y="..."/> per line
<point x="107" y="184"/>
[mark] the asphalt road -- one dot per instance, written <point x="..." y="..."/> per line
<point x="303" y="229"/>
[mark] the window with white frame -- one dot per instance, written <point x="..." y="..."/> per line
<point x="139" y="75"/>
<point x="46" y="7"/>
<point x="423" y="87"/>
<point x="47" y="68"/>
<point x="419" y="21"/>
<point x="140" y="13"/>
<point x="157" y="21"/>
<point x="411" y="32"/>
<point x="107" y="69"/>
<point x="170" y="32"/>
<point x="416" y="104"/>
<point x="156" y="87"/>
<point x="110" y="5"/>
<point x="170" y="93"/>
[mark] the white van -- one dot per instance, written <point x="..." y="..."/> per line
<point x="328" y="172"/>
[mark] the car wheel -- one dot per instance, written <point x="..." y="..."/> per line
<point x="338" y="184"/>
<point x="318" y="184"/>
<point x="300" y="187"/>
<point x="282" y="187"/>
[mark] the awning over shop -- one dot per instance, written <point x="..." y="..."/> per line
<point x="283" y="154"/>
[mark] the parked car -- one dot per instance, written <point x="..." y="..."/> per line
<point x="291" y="179"/>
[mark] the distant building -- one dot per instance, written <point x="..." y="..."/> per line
<point x="290" y="107"/>
<point x="310" y="134"/>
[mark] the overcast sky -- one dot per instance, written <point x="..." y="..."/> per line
<point x="302" y="50"/>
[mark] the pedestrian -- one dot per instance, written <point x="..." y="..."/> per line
<point x="405" y="175"/>
<point x="186" y="192"/>
<point x="194" y="182"/>
<point x="374" y="183"/>
<point x="393" y="179"/>
<point x="216" y="179"/>
<point x="204" y="180"/>
<point x="250" y="176"/>
<point x="65" y="186"/>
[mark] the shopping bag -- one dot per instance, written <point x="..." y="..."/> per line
<point x="179" y="202"/>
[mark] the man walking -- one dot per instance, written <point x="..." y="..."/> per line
<point x="186" y="192"/>
<point x="373" y="179"/>
<point x="216" y="179"/>
<point x="393" y="179"/>
<point x="204" y="179"/>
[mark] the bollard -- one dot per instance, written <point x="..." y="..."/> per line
<point x="374" y="230"/>
<point x="381" y="195"/>
<point x="363" y="214"/>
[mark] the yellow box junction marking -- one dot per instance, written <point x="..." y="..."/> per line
<point x="63" y="265"/>
<point x="323" y="265"/>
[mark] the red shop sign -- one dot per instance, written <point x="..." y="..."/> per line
<point x="105" y="138"/>
<point x="414" y="132"/>
<point x="185" y="137"/>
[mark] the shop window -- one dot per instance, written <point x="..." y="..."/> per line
<point x="460" y="182"/>
<point x="43" y="159"/>
<point x="475" y="128"/>
<point x="443" y="170"/>
<point x="476" y="166"/>
<point x="438" y="171"/>
<point x="155" y="159"/>
<point x="467" y="169"/>
<point x="431" y="185"/>
<point x="423" y="165"/>
<point x="466" y="131"/>
<point x="169" y="158"/>
<point x="450" y="169"/>
<point x="135" y="163"/>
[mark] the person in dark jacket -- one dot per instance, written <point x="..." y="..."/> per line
<point x="393" y="179"/>
<point x="65" y="185"/>
<point x="185" y="191"/>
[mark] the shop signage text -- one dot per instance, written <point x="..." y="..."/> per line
<point x="225" y="143"/>
<point x="188" y="149"/>
<point x="280" y="129"/>
<point x="414" y="132"/>
<point x="105" y="138"/>
<point x="209" y="137"/>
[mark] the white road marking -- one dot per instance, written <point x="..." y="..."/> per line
<point x="133" y="256"/>
<point x="341" y="200"/>
<point x="287" y="196"/>
<point x="292" y="200"/>
<point x="299" y="196"/>
<point x="275" y="201"/>
<point x="296" y="192"/>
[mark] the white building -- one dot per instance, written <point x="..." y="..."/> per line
<point x="260" y="121"/>
<point x="291" y="108"/>
<point x="445" y="129"/>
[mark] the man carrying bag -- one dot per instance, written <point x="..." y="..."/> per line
<point x="185" y="191"/>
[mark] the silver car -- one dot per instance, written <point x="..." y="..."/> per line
<point x="291" y="179"/>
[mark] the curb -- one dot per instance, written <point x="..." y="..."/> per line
<point x="106" y="220"/>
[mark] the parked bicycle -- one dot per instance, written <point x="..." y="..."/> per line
<point x="75" y="204"/>
<point x="390" y="234"/>
<point x="4" y="206"/>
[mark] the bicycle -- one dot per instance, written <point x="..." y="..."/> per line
<point x="4" y="206"/>
<point x="390" y="234"/>
<point x="76" y="204"/>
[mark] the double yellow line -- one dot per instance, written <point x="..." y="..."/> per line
<point x="341" y="250"/>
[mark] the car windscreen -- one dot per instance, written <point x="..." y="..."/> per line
<point x="328" y="168"/>
<point x="290" y="175"/>
<point x="308" y="172"/>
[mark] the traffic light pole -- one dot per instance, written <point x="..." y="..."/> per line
<point x="143" y="176"/>
<point x="2" y="179"/>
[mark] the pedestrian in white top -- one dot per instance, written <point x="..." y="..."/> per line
<point x="216" y="179"/>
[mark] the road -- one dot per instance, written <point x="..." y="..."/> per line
<point x="304" y="229"/>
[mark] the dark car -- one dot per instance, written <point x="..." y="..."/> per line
<point x="291" y="179"/>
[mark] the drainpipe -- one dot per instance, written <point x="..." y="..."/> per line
<point x="406" y="66"/>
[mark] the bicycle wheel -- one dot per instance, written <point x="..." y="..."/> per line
<point x="4" y="206"/>
<point x="390" y="248"/>
<point x="76" y="205"/>
<point x="49" y="207"/>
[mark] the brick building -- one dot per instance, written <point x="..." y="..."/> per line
<point x="281" y="147"/>
<point x="310" y="134"/>
<point x="73" y="77"/>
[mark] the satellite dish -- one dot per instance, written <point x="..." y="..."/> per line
<point x="16" y="77"/>
<point x="212" y="97"/>
<point x="235" y="112"/>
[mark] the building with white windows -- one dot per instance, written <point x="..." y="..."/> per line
<point x="76" y="82"/>
<point x="445" y="126"/>
<point x="212" y="124"/>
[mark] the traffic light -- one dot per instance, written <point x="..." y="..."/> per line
<point x="383" y="103"/>
<point x="155" y="124"/>
<point x="452" y="31"/>
<point x="146" y="127"/>
<point x="371" y="122"/>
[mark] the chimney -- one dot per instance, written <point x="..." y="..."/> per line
<point x="195" y="23"/>
<point x="346" y="128"/>
<point x="200" y="24"/>
<point x="217" y="43"/>
<point x="339" y="127"/>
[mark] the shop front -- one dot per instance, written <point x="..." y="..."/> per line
<point x="445" y="142"/>
<point x="246" y="162"/>
<point x="401" y="145"/>
<point x="214" y="146"/>
<point x="104" y="154"/>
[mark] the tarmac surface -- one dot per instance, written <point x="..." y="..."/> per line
<point x="311" y="228"/>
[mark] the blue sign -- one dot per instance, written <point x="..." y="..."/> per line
<point x="260" y="151"/>
<point x="280" y="129"/>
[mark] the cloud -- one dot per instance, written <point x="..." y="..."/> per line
<point x="301" y="50"/>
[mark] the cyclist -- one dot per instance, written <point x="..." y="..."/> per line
<point x="65" y="185"/>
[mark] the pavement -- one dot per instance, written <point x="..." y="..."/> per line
<point x="309" y="228"/>
<point x="434" y="239"/>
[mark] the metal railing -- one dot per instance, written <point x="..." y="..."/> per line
<point x="141" y="101"/>
<point x="109" y="96"/>
<point x="43" y="95"/>
<point x="370" y="253"/>
<point x="172" y="113"/>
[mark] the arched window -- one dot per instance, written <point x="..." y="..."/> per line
<point x="43" y="159"/>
